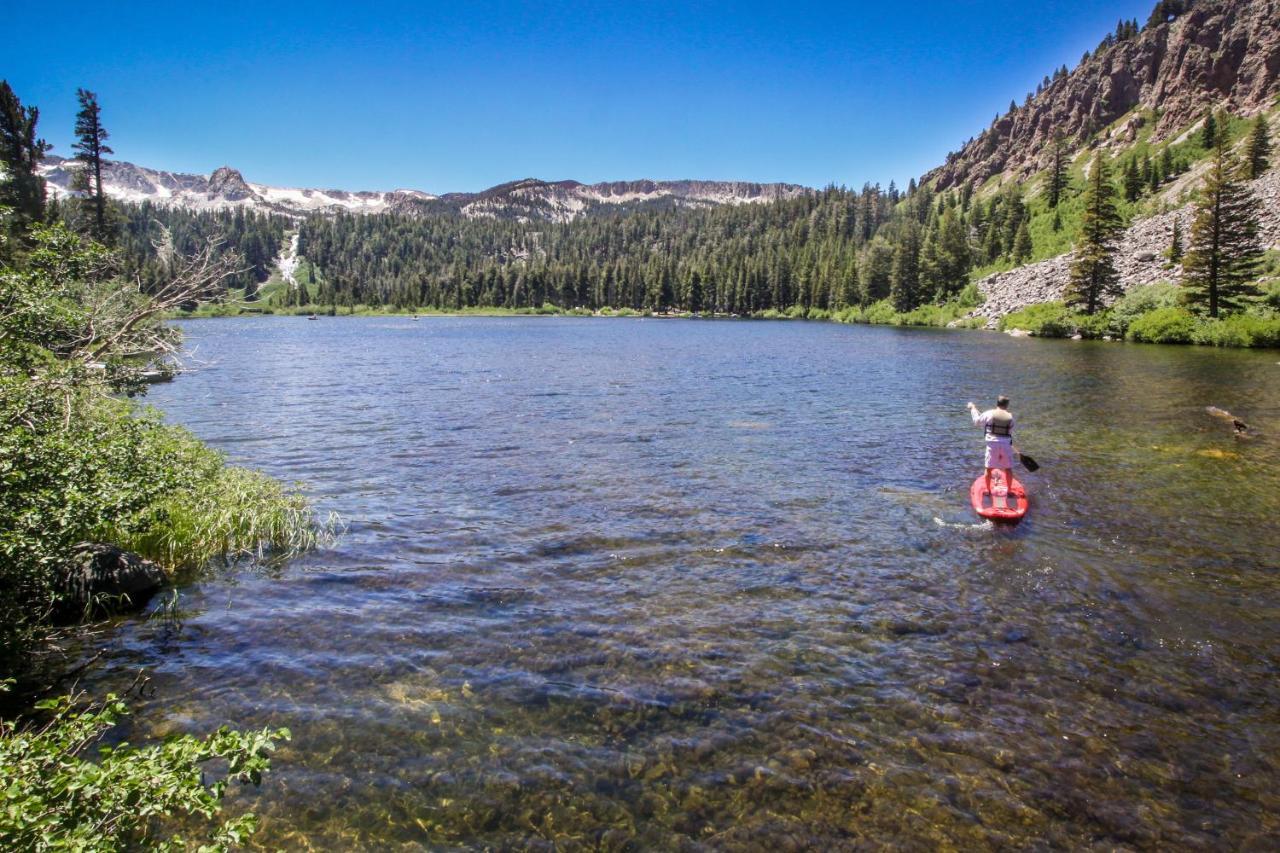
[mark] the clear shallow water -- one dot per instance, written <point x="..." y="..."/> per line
<point x="666" y="584"/>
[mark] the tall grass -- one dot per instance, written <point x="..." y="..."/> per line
<point x="235" y="513"/>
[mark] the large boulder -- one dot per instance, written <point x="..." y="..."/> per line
<point x="102" y="579"/>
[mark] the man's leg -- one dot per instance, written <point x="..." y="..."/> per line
<point x="989" y="482"/>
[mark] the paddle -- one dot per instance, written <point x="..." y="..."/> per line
<point x="1027" y="462"/>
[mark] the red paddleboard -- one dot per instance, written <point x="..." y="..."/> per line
<point x="1003" y="503"/>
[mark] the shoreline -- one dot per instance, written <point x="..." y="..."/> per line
<point x="1040" y="320"/>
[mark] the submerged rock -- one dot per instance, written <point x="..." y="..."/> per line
<point x="102" y="579"/>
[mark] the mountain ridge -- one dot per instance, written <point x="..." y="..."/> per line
<point x="525" y="198"/>
<point x="1224" y="53"/>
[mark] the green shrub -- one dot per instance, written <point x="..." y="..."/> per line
<point x="57" y="797"/>
<point x="795" y="312"/>
<point x="1141" y="300"/>
<point x="1239" y="330"/>
<point x="880" y="312"/>
<point x="1046" y="319"/>
<point x="1163" y="326"/>
<point x="1096" y="325"/>
<point x="1271" y="294"/>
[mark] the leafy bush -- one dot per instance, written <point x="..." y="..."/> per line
<point x="1163" y="326"/>
<point x="56" y="797"/>
<point x="1239" y="330"/>
<point x="1096" y="325"/>
<point x="1141" y="300"/>
<point x="1271" y="294"/>
<point x="1046" y="319"/>
<point x="879" y="312"/>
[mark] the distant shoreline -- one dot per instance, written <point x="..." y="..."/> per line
<point x="1045" y="320"/>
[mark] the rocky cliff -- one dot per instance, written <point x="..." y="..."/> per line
<point x="1216" y="52"/>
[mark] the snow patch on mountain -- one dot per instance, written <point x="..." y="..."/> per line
<point x="224" y="189"/>
<point x="287" y="263"/>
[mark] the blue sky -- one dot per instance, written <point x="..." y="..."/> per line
<point x="460" y="96"/>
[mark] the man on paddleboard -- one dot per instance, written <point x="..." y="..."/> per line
<point x="997" y="424"/>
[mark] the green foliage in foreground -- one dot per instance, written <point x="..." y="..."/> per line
<point x="78" y="464"/>
<point x="58" y="797"/>
<point x="1155" y="314"/>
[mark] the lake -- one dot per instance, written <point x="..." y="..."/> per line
<point x="661" y="584"/>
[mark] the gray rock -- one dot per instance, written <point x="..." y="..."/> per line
<point x="1145" y="257"/>
<point x="103" y="579"/>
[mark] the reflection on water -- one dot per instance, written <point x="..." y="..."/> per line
<point x="667" y="585"/>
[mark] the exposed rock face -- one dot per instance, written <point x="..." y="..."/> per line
<point x="104" y="579"/>
<point x="229" y="184"/>
<point x="562" y="201"/>
<point x="1219" y="52"/>
<point x="1140" y="257"/>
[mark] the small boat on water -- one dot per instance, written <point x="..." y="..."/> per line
<point x="313" y="317"/>
<point x="1005" y="503"/>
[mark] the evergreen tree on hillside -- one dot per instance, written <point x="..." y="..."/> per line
<point x="1167" y="167"/>
<point x="875" y="269"/>
<point x="1022" y="244"/>
<point x="1258" y="149"/>
<point x="1056" y="181"/>
<point x="21" y="187"/>
<point x="1223" y="255"/>
<point x="1175" y="241"/>
<point x="954" y="257"/>
<point x="91" y="139"/>
<point x="1093" y="272"/>
<point x="1132" y="180"/>
<point x="1209" y="131"/>
<point x="904" y="281"/>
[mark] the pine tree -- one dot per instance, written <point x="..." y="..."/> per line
<point x="1167" y="168"/>
<point x="1093" y="272"/>
<point x="1175" y="241"/>
<point x="21" y="151"/>
<point x="1057" y="219"/>
<point x="91" y="139"/>
<point x="1022" y="244"/>
<point x="954" y="256"/>
<point x="1132" y="180"/>
<point x="1223" y="255"/>
<point x="1209" y="131"/>
<point x="1057" y="179"/>
<point x="904" y="280"/>
<point x="1258" y="149"/>
<point x="875" y="269"/>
